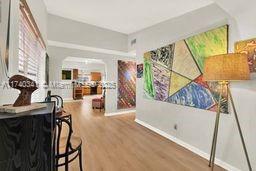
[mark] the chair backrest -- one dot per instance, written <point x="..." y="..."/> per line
<point x="48" y="97"/>
<point x="58" y="99"/>
<point x="60" y="124"/>
<point x="104" y="93"/>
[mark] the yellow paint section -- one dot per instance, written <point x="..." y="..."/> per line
<point x="147" y="56"/>
<point x="177" y="83"/>
<point x="183" y="62"/>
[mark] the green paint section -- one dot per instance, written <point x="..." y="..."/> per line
<point x="148" y="78"/>
<point x="213" y="42"/>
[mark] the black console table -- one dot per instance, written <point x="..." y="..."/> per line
<point x="26" y="140"/>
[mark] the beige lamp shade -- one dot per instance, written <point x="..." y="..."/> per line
<point x="227" y="67"/>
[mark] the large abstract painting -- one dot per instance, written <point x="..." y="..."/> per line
<point x="248" y="47"/>
<point x="174" y="73"/>
<point x="126" y="84"/>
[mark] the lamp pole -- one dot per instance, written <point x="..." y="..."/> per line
<point x="240" y="130"/>
<point x="215" y="134"/>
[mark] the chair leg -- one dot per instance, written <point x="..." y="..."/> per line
<point x="70" y="119"/>
<point x="66" y="163"/>
<point x="56" y="166"/>
<point x="80" y="160"/>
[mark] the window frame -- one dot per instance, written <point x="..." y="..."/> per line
<point x="31" y="44"/>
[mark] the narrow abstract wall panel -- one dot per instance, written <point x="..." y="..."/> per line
<point x="139" y="70"/>
<point x="174" y="73"/>
<point x="126" y="84"/>
<point x="248" y="47"/>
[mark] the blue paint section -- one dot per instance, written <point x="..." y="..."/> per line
<point x="193" y="95"/>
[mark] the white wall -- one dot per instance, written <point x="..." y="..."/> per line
<point x="57" y="55"/>
<point x="74" y="32"/>
<point x="38" y="10"/>
<point x="242" y="11"/>
<point x="195" y="127"/>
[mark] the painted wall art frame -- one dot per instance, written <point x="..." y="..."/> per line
<point x="139" y="70"/>
<point x="126" y="84"/>
<point x="174" y="73"/>
<point x="248" y="47"/>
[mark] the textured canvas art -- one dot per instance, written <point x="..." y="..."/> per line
<point x="207" y="44"/>
<point x="139" y="70"/>
<point x="174" y="73"/>
<point x="249" y="48"/>
<point x="161" y="81"/>
<point x="148" y="76"/>
<point x="126" y="84"/>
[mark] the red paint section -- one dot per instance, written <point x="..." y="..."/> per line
<point x="214" y="108"/>
<point x="199" y="80"/>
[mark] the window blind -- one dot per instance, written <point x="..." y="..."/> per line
<point x="31" y="45"/>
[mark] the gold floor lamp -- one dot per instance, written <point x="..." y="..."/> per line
<point x="223" y="69"/>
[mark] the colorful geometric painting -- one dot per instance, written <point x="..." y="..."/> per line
<point x="248" y="47"/>
<point x="174" y="73"/>
<point x="139" y="70"/>
<point x="126" y="84"/>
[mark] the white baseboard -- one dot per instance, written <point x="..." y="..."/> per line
<point x="187" y="146"/>
<point x="68" y="99"/>
<point x="120" y="113"/>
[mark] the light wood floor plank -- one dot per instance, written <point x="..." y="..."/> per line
<point x="120" y="144"/>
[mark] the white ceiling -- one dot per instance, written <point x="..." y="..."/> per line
<point x="125" y="16"/>
<point x="236" y="7"/>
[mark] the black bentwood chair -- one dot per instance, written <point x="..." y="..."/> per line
<point x="60" y="112"/>
<point x="68" y="147"/>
